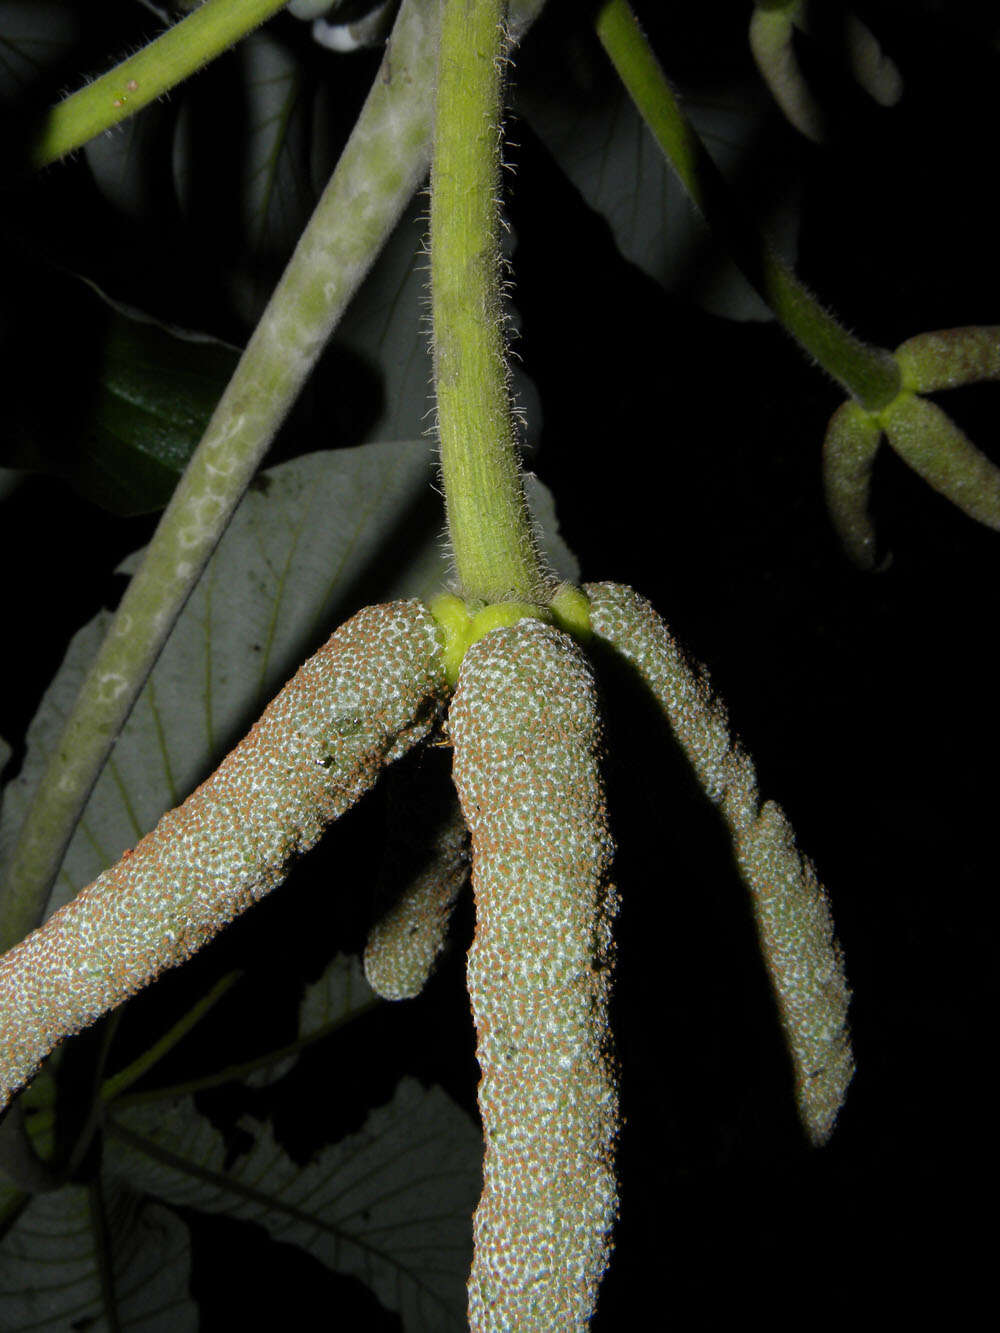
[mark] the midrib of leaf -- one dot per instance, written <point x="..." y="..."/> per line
<point x="404" y="1152"/>
<point x="161" y="741"/>
<point x="271" y="165"/>
<point x="266" y="1201"/>
<point x="126" y="799"/>
<point x="207" y="630"/>
<point x="303" y="514"/>
<point x="102" y="1250"/>
<point x="364" y="513"/>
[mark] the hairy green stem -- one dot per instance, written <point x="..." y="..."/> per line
<point x="496" y="558"/>
<point x="134" y="83"/>
<point x="868" y="373"/>
<point x="383" y="163"/>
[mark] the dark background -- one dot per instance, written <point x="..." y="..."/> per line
<point x="684" y="453"/>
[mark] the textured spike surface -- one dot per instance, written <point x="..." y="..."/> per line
<point x="364" y="699"/>
<point x="527" y="736"/>
<point x="425" y="865"/>
<point x="790" y="907"/>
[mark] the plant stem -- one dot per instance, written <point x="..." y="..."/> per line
<point x="233" y="1073"/>
<point x="168" y="60"/>
<point x="384" y="161"/>
<point x="113" y="1087"/>
<point x="494" y="549"/>
<point x="868" y="373"/>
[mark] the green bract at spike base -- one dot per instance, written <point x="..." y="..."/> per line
<point x="462" y="623"/>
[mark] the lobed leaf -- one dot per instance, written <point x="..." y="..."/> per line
<point x="389" y="1204"/>
<point x="52" y="1258"/>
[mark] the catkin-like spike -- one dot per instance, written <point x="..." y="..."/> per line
<point x="791" y="909"/>
<point x="527" y="736"/>
<point x="363" y="700"/>
<point x="425" y="865"/>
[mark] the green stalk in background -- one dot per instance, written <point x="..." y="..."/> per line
<point x="385" y="159"/>
<point x="495" y="554"/>
<point x="382" y="165"/>
<point x="869" y="374"/>
<point x="167" y="61"/>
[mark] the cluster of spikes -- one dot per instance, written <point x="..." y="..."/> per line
<point x="522" y="710"/>
<point x="773" y="26"/>
<point x="919" y="431"/>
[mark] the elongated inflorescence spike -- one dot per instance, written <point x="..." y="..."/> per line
<point x="941" y="452"/>
<point x="849" y="448"/>
<point x="948" y="358"/>
<point x="364" y="699"/>
<point x="425" y="865"/>
<point x="771" y="41"/>
<point x="527" y="737"/>
<point x="771" y="33"/>
<point x="791" y="909"/>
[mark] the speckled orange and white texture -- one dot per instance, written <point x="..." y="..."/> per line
<point x="426" y="864"/>
<point x="790" y="906"/>
<point x="364" y="699"/>
<point x="527" y="735"/>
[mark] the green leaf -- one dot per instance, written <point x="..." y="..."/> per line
<point x="127" y="163"/>
<point x="247" y="141"/>
<point x="281" y="179"/>
<point x="314" y="539"/>
<point x="51" y="1259"/>
<point x="379" y="327"/>
<point x="340" y="994"/>
<point x="391" y="1204"/>
<point x="279" y="194"/>
<point x="602" y="145"/>
<point x="131" y="407"/>
<point x="34" y="35"/>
